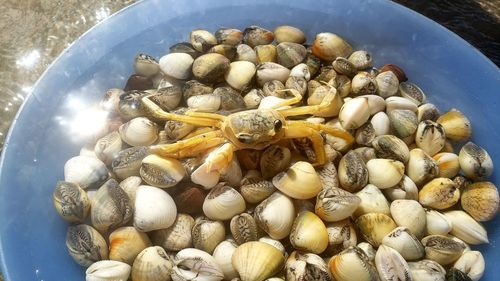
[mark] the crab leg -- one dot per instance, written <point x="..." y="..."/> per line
<point x="201" y="142"/>
<point x="322" y="127"/>
<point x="326" y="105"/>
<point x="208" y="174"/>
<point x="295" y="130"/>
<point x="205" y="115"/>
<point x="156" y="112"/>
<point x="296" y="98"/>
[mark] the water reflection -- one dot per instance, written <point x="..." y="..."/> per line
<point x="29" y="60"/>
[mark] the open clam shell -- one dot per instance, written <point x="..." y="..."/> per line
<point x="194" y="264"/>
<point x="107" y="270"/>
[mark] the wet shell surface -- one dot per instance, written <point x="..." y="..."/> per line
<point x="374" y="227"/>
<point x="111" y="207"/>
<point x="207" y="234"/>
<point x="176" y="237"/>
<point x="440" y="193"/>
<point x="328" y="46"/>
<point x="223" y="202"/>
<point x="139" y="131"/>
<point x="275" y="215"/>
<point x="107" y="270"/>
<point x="153" y="264"/>
<point x="402" y="240"/>
<point x="334" y="204"/>
<point x="125" y="243"/>
<point x="85" y="171"/>
<point x="475" y="162"/>
<point x="161" y="172"/>
<point x="300" y="181"/>
<point x="257" y="261"/>
<point x="309" y="233"/>
<point x="71" y="201"/>
<point x="480" y="200"/>
<point x="223" y="254"/>
<point x="154" y="209"/>
<point x="85" y="245"/>
<point x="176" y="65"/>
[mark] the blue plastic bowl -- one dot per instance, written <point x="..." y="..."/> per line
<point x="32" y="235"/>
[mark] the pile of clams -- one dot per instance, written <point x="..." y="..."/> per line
<point x="403" y="201"/>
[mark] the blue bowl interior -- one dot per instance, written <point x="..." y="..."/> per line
<point x="450" y="71"/>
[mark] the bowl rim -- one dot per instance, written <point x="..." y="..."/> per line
<point x="426" y="22"/>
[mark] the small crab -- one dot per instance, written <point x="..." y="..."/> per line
<point x="249" y="129"/>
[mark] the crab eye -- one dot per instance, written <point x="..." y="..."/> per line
<point x="277" y="125"/>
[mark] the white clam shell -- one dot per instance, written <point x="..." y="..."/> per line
<point x="381" y="124"/>
<point x="240" y="74"/>
<point x="139" y="131"/>
<point x="130" y="185"/>
<point x="223" y="202"/>
<point x="437" y="223"/>
<point x="372" y="201"/>
<point x="387" y="84"/>
<point x="472" y="264"/>
<point x="204" y="103"/>
<point x="152" y="264"/>
<point x="411" y="214"/>
<point x="107" y="270"/>
<point x="301" y="70"/>
<point x="393" y="103"/>
<point x="391" y="265"/>
<point x="196" y="265"/>
<point x="354" y="113"/>
<point x="177" y="65"/>
<point x="154" y="209"/>
<point x="107" y="147"/>
<point x="427" y="270"/>
<point x="269" y="71"/>
<point x="402" y="240"/>
<point x="466" y="228"/>
<point x="385" y="173"/>
<point x="85" y="171"/>
<point x="222" y="255"/>
<point x="275" y="215"/>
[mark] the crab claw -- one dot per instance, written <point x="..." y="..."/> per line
<point x="208" y="174"/>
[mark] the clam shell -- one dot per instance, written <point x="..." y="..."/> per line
<point x="440" y="193"/>
<point x="309" y="233"/>
<point x="391" y="265"/>
<point x="363" y="84"/>
<point x="421" y="168"/>
<point x="161" y="172"/>
<point x="195" y="88"/>
<point x="300" y="181"/>
<point x="154" y="209"/>
<point x="125" y="243"/>
<point x="71" y="201"/>
<point x="223" y="202"/>
<point x="341" y="235"/>
<point x="184" y="47"/>
<point x="275" y="215"/>
<point x="229" y="36"/>
<point x="374" y="227"/>
<point x="301" y="70"/>
<point x="176" y="130"/>
<point x="427" y="270"/>
<point x="246" y="53"/>
<point x="176" y="237"/>
<point x="352" y="172"/>
<point x="328" y="176"/>
<point x="85" y="171"/>
<point x="344" y="66"/>
<point x="405" y="189"/>
<point x="196" y="265"/>
<point x="229" y="51"/>
<point x="257" y="191"/>
<point x="456" y="125"/>
<point x="472" y="264"/>
<point x="139" y="131"/>
<point x="210" y="67"/>
<point x="335" y="204"/>
<point x="368" y="249"/>
<point x="253" y="98"/>
<point x="365" y="134"/>
<point x="361" y="59"/>
<point x="266" y="53"/>
<point x="430" y="137"/>
<point x="437" y="223"/>
<point x="274" y="88"/>
<point x="232" y="174"/>
<point x="354" y="113"/>
<point x="190" y="200"/>
<point x="475" y="162"/>
<point x="111" y="207"/>
<point x="372" y="201"/>
<point x="427" y="111"/>
<point x="448" y="164"/>
<point x="328" y="46"/>
<point x="240" y="74"/>
<point x="337" y="143"/>
<point x="442" y="249"/>
<point x="396" y="70"/>
<point x="205" y="103"/>
<point x="297" y="83"/>
<point x="107" y="147"/>
<point x="256" y="35"/>
<point x="456" y="275"/>
<point x="464" y="227"/>
<point x="412" y="92"/>
<point x="352" y="264"/>
<point x="385" y="173"/>
<point x="130" y="104"/>
<point x="402" y="240"/>
<point x="168" y="98"/>
<point x="387" y="84"/>
<point x="286" y="33"/>
<point x="391" y="147"/>
<point x="223" y="254"/>
<point x="480" y="200"/>
<point x="410" y="214"/>
<point x="256" y="261"/>
<point x="176" y="65"/>
<point x="393" y="103"/>
<point x="306" y="266"/>
<point x="130" y="185"/>
<point x="244" y="228"/>
<point x="111" y="100"/>
<point x="269" y="71"/>
<point x="153" y="264"/>
<point x="404" y="122"/>
<point x="85" y="245"/>
<point x="381" y="124"/>
<point x="107" y="271"/>
<point x="207" y="234"/>
<point x="202" y="39"/>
